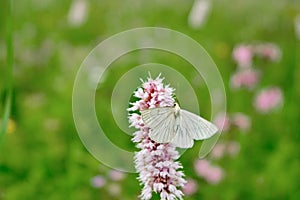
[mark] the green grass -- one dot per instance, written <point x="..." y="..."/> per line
<point x="43" y="157"/>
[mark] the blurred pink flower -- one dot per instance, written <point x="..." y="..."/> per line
<point x="116" y="175"/>
<point x="212" y="174"/>
<point x="233" y="148"/>
<point x="247" y="78"/>
<point x="202" y="167"/>
<point x="218" y="151"/>
<point x="190" y="187"/>
<point x="241" y="121"/>
<point x="215" y="175"/>
<point x="98" y="181"/>
<point x="268" y="51"/>
<point x="222" y="121"/>
<point x="155" y="163"/>
<point x="242" y="55"/>
<point x="268" y="99"/>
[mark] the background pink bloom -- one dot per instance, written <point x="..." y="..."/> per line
<point x="222" y="121"/>
<point x="243" y="55"/>
<point x="155" y="163"/>
<point x="233" y="148"/>
<point x="247" y="78"/>
<point x="190" y="187"/>
<point x="212" y="174"/>
<point x="202" y="167"/>
<point x="268" y="51"/>
<point x="116" y="175"/>
<point x="215" y="175"/>
<point x="241" y="121"/>
<point x="268" y="99"/>
<point x="98" y="181"/>
<point x="218" y="151"/>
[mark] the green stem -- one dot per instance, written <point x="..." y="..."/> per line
<point x="9" y="70"/>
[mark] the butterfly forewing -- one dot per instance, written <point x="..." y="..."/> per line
<point x="161" y="123"/>
<point x="197" y="128"/>
<point x="154" y="116"/>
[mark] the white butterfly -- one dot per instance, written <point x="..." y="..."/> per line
<point x="177" y="126"/>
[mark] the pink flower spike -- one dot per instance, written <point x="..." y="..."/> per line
<point x="136" y="120"/>
<point x="243" y="55"/>
<point x="190" y="187"/>
<point x="156" y="163"/>
<point x="268" y="100"/>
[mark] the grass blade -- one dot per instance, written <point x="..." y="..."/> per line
<point x="9" y="70"/>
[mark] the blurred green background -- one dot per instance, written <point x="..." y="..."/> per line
<point x="42" y="156"/>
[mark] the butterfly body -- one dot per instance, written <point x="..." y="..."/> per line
<point x="177" y="126"/>
<point x="177" y="109"/>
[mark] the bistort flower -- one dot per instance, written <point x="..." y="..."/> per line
<point x="156" y="163"/>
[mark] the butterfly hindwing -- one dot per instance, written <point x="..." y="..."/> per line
<point x="197" y="127"/>
<point x="181" y="139"/>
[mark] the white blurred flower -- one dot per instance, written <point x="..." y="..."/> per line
<point x="114" y="190"/>
<point x="78" y="13"/>
<point x="297" y="26"/>
<point x="199" y="12"/>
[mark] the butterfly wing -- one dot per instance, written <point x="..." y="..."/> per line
<point x="161" y="122"/>
<point x="196" y="127"/>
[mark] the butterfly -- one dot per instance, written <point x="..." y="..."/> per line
<point x="176" y="126"/>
